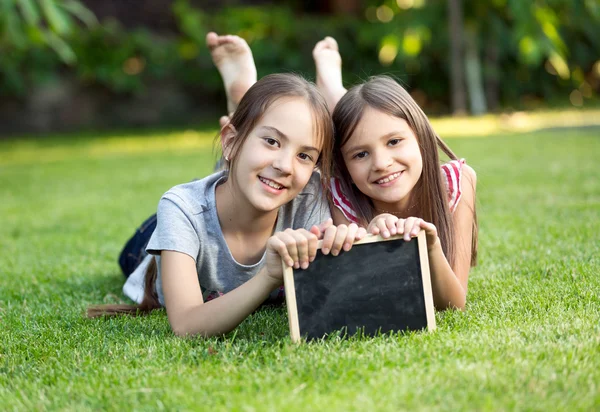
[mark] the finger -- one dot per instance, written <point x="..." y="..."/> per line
<point x="383" y="230"/>
<point x="278" y="245"/>
<point x="315" y="231"/>
<point x="340" y="238"/>
<point x="400" y="226"/>
<point x="361" y="233"/>
<point x="313" y="242"/>
<point x="290" y="243"/>
<point x="301" y="238"/>
<point x="306" y="243"/>
<point x="350" y="237"/>
<point x="414" y="232"/>
<point x="408" y="226"/>
<point x="428" y="227"/>
<point x="323" y="226"/>
<point x="319" y="230"/>
<point x="373" y="229"/>
<point x="390" y="223"/>
<point x="328" y="238"/>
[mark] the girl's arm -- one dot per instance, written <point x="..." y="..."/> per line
<point x="464" y="217"/>
<point x="188" y="313"/>
<point x="448" y="284"/>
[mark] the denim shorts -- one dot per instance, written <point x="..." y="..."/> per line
<point x="135" y="249"/>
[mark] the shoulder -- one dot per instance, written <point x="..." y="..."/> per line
<point x="343" y="206"/>
<point x="308" y="208"/>
<point x="196" y="196"/>
<point x="469" y="174"/>
<point x="457" y="174"/>
<point x="314" y="187"/>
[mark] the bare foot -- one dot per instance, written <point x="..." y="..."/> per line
<point x="329" y="70"/>
<point x="233" y="58"/>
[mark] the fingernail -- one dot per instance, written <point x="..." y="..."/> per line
<point x="346" y="246"/>
<point x="311" y="259"/>
<point x="334" y="252"/>
<point x="304" y="265"/>
<point x="386" y="233"/>
<point x="296" y="265"/>
<point x="325" y="250"/>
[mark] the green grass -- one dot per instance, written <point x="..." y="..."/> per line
<point x="530" y="338"/>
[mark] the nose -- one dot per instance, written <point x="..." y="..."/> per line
<point x="283" y="163"/>
<point x="381" y="160"/>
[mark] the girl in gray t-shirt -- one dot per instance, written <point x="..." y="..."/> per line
<point x="225" y="236"/>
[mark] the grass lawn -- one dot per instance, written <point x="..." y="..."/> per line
<point x="530" y="338"/>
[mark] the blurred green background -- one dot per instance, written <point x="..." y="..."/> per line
<point x="91" y="64"/>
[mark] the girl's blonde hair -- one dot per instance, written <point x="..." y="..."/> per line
<point x="384" y="94"/>
<point x="252" y="107"/>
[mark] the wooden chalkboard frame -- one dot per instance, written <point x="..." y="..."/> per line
<point x="290" y="290"/>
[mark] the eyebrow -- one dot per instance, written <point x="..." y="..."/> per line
<point x="283" y="136"/>
<point x="384" y="137"/>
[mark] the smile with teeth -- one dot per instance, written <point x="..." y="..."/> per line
<point x="271" y="183"/>
<point x="389" y="178"/>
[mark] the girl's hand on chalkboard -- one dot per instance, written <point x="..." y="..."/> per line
<point x="341" y="237"/>
<point x="297" y="248"/>
<point x="319" y="230"/>
<point x="386" y="225"/>
<point x="412" y="226"/>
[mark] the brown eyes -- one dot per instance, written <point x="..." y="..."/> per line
<point x="271" y="142"/>
<point x="275" y="143"/>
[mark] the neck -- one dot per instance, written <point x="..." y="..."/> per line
<point x="404" y="208"/>
<point x="236" y="216"/>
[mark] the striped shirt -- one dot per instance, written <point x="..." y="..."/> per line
<point x="451" y="171"/>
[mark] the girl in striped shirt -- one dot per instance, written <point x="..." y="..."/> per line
<point x="389" y="177"/>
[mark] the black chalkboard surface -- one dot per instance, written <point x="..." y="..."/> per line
<point x="380" y="285"/>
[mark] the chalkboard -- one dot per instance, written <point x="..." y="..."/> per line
<point x="380" y="285"/>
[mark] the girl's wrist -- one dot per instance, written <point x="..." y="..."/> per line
<point x="270" y="281"/>
<point x="435" y="245"/>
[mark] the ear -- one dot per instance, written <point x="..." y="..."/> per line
<point x="228" y="135"/>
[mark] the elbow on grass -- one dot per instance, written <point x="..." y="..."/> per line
<point x="457" y="304"/>
<point x="182" y="330"/>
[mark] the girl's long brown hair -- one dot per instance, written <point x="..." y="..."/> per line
<point x="252" y="107"/>
<point x="384" y="94"/>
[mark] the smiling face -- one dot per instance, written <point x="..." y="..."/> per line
<point x="384" y="160"/>
<point x="278" y="156"/>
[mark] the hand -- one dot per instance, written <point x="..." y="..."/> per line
<point x="384" y="225"/>
<point x="319" y="230"/>
<point x="295" y="247"/>
<point x="389" y="225"/>
<point x="336" y="238"/>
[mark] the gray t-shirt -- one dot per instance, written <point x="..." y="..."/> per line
<point x="188" y="223"/>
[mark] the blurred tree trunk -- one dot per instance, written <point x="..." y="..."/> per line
<point x="473" y="72"/>
<point x="492" y="75"/>
<point x="457" y="84"/>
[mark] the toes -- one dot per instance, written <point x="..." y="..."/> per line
<point x="322" y="45"/>
<point x="328" y="43"/>
<point x="212" y="40"/>
<point x="331" y="43"/>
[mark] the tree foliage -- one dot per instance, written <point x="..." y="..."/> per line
<point x="528" y="53"/>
